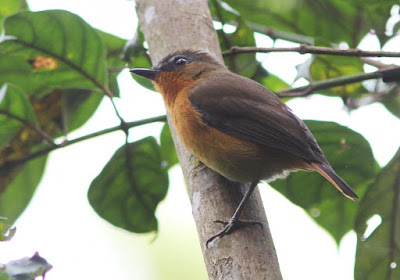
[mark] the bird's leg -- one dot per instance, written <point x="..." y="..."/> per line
<point x="234" y="222"/>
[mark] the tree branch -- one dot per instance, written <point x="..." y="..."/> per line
<point x="334" y="82"/>
<point x="248" y="253"/>
<point x="303" y="49"/>
<point x="82" y="138"/>
<point x="376" y="63"/>
<point x="44" y="135"/>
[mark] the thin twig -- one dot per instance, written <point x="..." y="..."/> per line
<point x="325" y="84"/>
<point x="303" y="49"/>
<point x="334" y="82"/>
<point x="44" y="135"/>
<point x="376" y="63"/>
<point x="82" y="138"/>
<point x="354" y="103"/>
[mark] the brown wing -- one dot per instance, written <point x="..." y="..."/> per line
<point x="243" y="108"/>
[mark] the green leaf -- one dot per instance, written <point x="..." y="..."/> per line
<point x="168" y="151"/>
<point x="79" y="105"/>
<point x="16" y="70"/>
<point x="380" y="250"/>
<point x="63" y="50"/>
<point x="331" y="20"/>
<point x="327" y="67"/>
<point x="129" y="188"/>
<point x="351" y="156"/>
<point x="18" y="194"/>
<point x="27" y="268"/>
<point x="13" y="104"/>
<point x="6" y="233"/>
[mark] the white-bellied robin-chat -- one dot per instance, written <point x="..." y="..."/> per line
<point x="236" y="126"/>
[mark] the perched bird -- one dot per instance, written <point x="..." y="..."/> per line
<point x="235" y="126"/>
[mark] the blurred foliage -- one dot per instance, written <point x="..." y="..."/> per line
<point x="378" y="254"/>
<point x="55" y="69"/>
<point x="246" y="64"/>
<point x="328" y="67"/>
<point x="325" y="20"/>
<point x="351" y="157"/>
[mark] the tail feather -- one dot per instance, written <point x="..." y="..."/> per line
<point x="337" y="182"/>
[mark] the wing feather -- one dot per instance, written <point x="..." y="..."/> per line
<point x="242" y="108"/>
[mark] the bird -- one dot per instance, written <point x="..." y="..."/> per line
<point x="235" y="126"/>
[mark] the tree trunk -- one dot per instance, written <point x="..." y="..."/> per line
<point x="248" y="253"/>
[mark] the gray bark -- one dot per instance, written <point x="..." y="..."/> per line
<point x="248" y="253"/>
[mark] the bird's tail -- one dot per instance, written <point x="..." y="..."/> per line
<point x="328" y="172"/>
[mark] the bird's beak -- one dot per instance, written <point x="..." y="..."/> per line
<point x="147" y="73"/>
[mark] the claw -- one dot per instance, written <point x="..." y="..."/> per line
<point x="230" y="227"/>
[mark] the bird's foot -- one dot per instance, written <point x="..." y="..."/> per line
<point x="230" y="227"/>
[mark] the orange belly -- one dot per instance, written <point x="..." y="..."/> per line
<point x="235" y="159"/>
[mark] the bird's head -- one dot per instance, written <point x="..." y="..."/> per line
<point x="179" y="70"/>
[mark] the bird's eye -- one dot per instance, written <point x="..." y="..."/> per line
<point x="180" y="61"/>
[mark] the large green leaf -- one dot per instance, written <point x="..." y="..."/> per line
<point x="79" y="105"/>
<point x="18" y="194"/>
<point x="327" y="67"/>
<point x="130" y="186"/>
<point x="26" y="268"/>
<point x="63" y="50"/>
<point x="378" y="255"/>
<point x="351" y="156"/>
<point x="329" y="20"/>
<point x="13" y="102"/>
